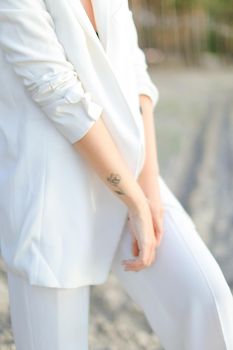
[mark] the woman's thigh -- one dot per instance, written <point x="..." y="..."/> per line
<point x="183" y="294"/>
<point x="48" y="318"/>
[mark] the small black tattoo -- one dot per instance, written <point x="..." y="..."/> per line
<point x="115" y="179"/>
<point x="119" y="192"/>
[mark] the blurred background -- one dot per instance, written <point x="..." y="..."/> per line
<point x="189" y="50"/>
<point x="186" y="32"/>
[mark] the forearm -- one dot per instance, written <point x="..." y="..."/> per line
<point x="99" y="149"/>
<point x="150" y="169"/>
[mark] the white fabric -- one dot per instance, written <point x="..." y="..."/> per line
<point x="183" y="295"/>
<point x="57" y="77"/>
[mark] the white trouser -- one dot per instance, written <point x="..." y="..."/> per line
<point x="183" y="295"/>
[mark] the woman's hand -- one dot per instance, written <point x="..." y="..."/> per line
<point x="144" y="240"/>
<point x="149" y="176"/>
<point x="146" y="228"/>
<point x="156" y="208"/>
<point x="157" y="213"/>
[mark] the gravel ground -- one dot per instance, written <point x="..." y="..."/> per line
<point x="194" y="127"/>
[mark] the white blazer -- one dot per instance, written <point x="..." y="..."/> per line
<point x="60" y="224"/>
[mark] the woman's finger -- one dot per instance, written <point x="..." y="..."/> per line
<point x="153" y="252"/>
<point x="135" y="248"/>
<point x="141" y="262"/>
<point x="158" y="227"/>
<point x="133" y="264"/>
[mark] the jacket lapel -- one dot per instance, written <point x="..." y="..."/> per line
<point x="68" y="16"/>
<point x="101" y="13"/>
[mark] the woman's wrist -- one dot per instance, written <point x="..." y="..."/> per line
<point x="149" y="186"/>
<point x="135" y="198"/>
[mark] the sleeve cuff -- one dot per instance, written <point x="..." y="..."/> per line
<point x="151" y="91"/>
<point x="94" y="112"/>
<point x="73" y="118"/>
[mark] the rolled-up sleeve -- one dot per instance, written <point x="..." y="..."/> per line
<point x="145" y="85"/>
<point x="29" y="43"/>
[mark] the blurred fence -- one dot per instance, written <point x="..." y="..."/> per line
<point x="183" y="32"/>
